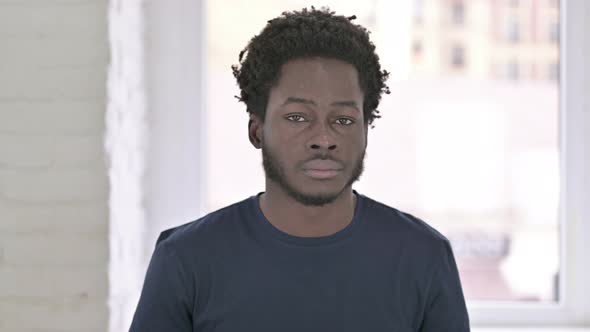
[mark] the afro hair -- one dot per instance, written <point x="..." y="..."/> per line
<point x="308" y="33"/>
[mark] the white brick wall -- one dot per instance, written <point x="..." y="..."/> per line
<point x="54" y="247"/>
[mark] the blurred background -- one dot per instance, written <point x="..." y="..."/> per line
<point x="118" y="120"/>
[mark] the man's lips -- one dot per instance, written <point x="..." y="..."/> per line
<point x="322" y="169"/>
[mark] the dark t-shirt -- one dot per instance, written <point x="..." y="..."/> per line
<point x="232" y="270"/>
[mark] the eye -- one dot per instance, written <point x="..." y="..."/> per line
<point x="344" y="121"/>
<point x="295" y="118"/>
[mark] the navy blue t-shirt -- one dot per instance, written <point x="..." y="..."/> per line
<point x="232" y="270"/>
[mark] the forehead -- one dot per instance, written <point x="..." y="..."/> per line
<point x="320" y="75"/>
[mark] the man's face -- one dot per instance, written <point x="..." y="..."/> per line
<point x="314" y="135"/>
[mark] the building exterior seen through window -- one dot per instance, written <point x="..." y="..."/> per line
<point x="458" y="56"/>
<point x="468" y="139"/>
<point x="458" y="12"/>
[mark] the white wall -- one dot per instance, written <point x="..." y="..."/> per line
<point x="53" y="179"/>
<point x="126" y="146"/>
<point x="175" y="172"/>
<point x="153" y="137"/>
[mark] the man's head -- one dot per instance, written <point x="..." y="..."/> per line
<point x="311" y="82"/>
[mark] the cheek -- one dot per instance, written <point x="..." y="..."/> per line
<point x="280" y="152"/>
<point x="357" y="144"/>
<point x="286" y="145"/>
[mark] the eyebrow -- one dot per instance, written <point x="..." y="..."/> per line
<point x="298" y="100"/>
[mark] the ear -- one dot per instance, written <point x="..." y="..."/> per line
<point x="255" y="131"/>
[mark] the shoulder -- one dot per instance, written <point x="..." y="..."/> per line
<point x="418" y="245"/>
<point x="205" y="229"/>
<point x="400" y="224"/>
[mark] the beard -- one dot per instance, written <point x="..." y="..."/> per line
<point x="276" y="173"/>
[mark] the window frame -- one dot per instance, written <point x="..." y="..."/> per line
<point x="573" y="307"/>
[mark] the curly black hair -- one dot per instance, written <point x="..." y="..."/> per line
<point x="308" y="33"/>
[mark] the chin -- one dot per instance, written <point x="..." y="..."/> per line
<point x="316" y="197"/>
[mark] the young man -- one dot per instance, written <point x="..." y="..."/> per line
<point x="309" y="253"/>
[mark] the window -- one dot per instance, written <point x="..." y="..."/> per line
<point x="417" y="49"/>
<point x="463" y="164"/>
<point x="512" y="71"/>
<point x="553" y="71"/>
<point x="418" y="11"/>
<point x="513" y="30"/>
<point x="457" y="56"/>
<point x="554" y="32"/>
<point x="458" y="13"/>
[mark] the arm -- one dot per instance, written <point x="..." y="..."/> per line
<point x="164" y="304"/>
<point x="445" y="307"/>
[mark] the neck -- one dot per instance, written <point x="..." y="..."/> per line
<point x="294" y="218"/>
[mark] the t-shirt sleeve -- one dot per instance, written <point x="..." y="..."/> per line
<point x="445" y="307"/>
<point x="165" y="302"/>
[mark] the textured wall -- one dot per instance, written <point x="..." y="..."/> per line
<point x="53" y="176"/>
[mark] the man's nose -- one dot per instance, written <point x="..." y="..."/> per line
<point x="323" y="139"/>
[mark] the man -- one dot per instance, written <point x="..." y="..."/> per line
<point x="309" y="253"/>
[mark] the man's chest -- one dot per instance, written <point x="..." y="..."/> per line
<point x="295" y="292"/>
